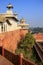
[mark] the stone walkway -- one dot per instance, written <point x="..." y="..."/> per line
<point x="4" y="61"/>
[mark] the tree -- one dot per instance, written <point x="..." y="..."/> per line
<point x="25" y="46"/>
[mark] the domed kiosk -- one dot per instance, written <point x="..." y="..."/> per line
<point x="23" y="24"/>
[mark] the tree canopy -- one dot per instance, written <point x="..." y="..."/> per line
<point x="25" y="45"/>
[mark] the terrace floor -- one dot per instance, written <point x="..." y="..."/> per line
<point x="4" y="61"/>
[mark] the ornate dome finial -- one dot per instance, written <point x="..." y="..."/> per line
<point x="15" y="13"/>
<point x="22" y="20"/>
<point x="9" y="6"/>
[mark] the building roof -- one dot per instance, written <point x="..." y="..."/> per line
<point x="38" y="37"/>
<point x="5" y="16"/>
<point x="2" y="18"/>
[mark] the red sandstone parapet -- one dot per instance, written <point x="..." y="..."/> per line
<point x="9" y="40"/>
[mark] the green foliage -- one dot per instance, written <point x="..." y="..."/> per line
<point x="28" y="41"/>
<point x="37" y="30"/>
<point x="25" y="45"/>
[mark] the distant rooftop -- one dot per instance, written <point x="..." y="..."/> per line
<point x="38" y="37"/>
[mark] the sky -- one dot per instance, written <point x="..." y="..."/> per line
<point x="30" y="10"/>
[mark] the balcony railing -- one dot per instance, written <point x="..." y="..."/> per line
<point x="15" y="59"/>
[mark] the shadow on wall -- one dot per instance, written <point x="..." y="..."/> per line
<point x="1" y="50"/>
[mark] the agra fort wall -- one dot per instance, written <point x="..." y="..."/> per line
<point x="10" y="40"/>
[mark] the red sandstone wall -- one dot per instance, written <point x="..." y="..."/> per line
<point x="9" y="40"/>
<point x="23" y="32"/>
